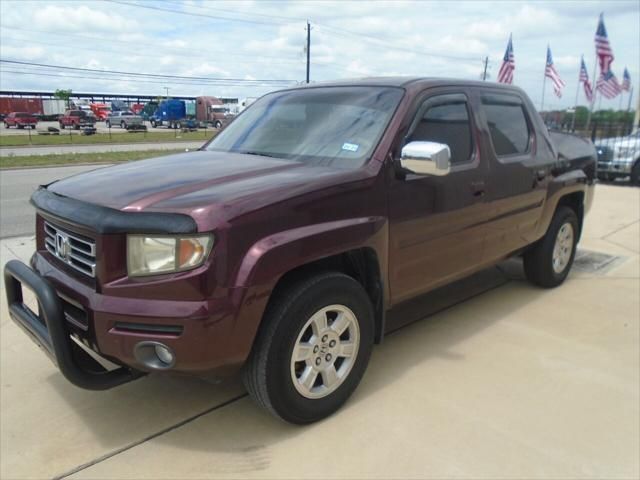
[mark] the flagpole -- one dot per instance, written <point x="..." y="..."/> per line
<point x="544" y="80"/>
<point x="620" y="106"/>
<point x="575" y="104"/>
<point x="630" y="95"/>
<point x="595" y="91"/>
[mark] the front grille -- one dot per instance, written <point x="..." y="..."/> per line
<point x="76" y="251"/>
<point x="605" y="154"/>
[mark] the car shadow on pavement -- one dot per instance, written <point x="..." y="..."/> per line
<point x="243" y="432"/>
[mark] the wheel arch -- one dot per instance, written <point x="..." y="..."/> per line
<point x="575" y="201"/>
<point x="356" y="247"/>
<point x="361" y="264"/>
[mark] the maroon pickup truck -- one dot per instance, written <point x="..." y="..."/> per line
<point x="287" y="246"/>
<point x="20" y="120"/>
<point x="76" y="119"/>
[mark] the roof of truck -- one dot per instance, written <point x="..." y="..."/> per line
<point x="406" y="81"/>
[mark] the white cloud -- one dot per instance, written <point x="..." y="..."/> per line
<point x="394" y="37"/>
<point x="80" y="18"/>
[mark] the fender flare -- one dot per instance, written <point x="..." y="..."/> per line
<point x="573" y="181"/>
<point x="270" y="258"/>
<point x="273" y="256"/>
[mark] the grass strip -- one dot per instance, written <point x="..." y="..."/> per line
<point x="10" y="161"/>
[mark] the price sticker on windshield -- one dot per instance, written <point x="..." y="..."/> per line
<point x="350" y="147"/>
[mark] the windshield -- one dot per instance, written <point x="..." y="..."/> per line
<point x="333" y="126"/>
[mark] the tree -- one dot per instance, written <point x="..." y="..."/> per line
<point x="63" y="95"/>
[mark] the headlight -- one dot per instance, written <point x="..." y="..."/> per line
<point x="151" y="255"/>
<point x="624" y="152"/>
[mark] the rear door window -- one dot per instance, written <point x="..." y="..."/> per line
<point x="507" y="124"/>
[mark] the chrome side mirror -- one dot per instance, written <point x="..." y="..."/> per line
<point x="426" y="158"/>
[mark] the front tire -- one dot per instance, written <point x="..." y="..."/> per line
<point x="549" y="261"/>
<point x="312" y="348"/>
<point x="218" y="125"/>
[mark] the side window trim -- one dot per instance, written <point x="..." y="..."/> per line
<point x="445" y="98"/>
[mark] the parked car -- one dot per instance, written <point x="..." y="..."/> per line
<point x="76" y="119"/>
<point x="20" y="120"/>
<point x="619" y="157"/>
<point x="293" y="241"/>
<point x="124" y="119"/>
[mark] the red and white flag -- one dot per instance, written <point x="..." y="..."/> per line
<point x="551" y="72"/>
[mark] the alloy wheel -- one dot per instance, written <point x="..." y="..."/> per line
<point x="325" y="351"/>
<point x="563" y="248"/>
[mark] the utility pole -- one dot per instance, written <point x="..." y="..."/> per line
<point x="167" y="89"/>
<point x="484" y="73"/>
<point x="308" y="49"/>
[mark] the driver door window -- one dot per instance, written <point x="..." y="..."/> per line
<point x="446" y="123"/>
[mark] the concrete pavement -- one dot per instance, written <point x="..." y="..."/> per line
<point x="17" y="216"/>
<point x="517" y="382"/>
<point x="98" y="148"/>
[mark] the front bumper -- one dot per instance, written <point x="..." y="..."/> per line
<point x="616" y="167"/>
<point x="47" y="329"/>
<point x="203" y="334"/>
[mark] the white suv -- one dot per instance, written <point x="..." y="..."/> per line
<point x="619" y="157"/>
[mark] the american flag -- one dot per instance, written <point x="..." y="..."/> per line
<point x="608" y="85"/>
<point x="626" y="80"/>
<point x="551" y="72"/>
<point x="505" y="75"/>
<point x="603" y="49"/>
<point x="584" y="78"/>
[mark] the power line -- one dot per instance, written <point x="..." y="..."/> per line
<point x="279" y="17"/>
<point x="191" y="14"/>
<point x="389" y="46"/>
<point x="147" y="55"/>
<point x="126" y="79"/>
<point x="184" y="51"/>
<point x="150" y="75"/>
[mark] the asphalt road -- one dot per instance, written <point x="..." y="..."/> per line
<point x="16" y="186"/>
<point x="129" y="147"/>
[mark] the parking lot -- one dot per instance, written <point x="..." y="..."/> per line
<point x="101" y="127"/>
<point x="514" y="382"/>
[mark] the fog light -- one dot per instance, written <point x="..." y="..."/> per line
<point x="164" y="354"/>
<point x="154" y="355"/>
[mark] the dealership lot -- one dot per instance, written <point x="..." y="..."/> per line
<point x="514" y="382"/>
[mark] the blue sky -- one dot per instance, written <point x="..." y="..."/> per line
<point x="265" y="40"/>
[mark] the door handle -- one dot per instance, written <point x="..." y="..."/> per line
<point x="477" y="188"/>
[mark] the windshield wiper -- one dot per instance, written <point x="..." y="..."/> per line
<point x="261" y="154"/>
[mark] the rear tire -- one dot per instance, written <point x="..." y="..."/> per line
<point x="549" y="261"/>
<point x="300" y="339"/>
